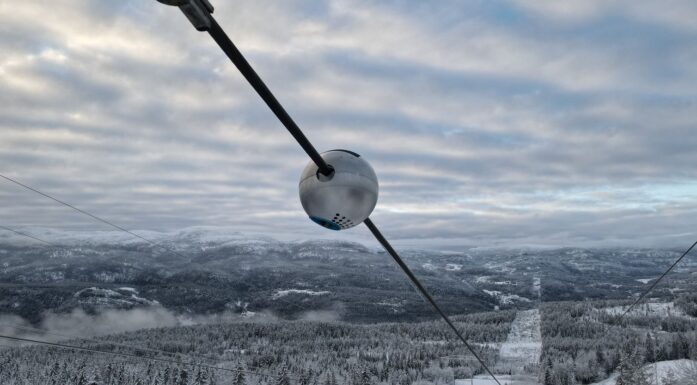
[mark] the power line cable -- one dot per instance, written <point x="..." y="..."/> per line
<point x="253" y="78"/>
<point x="130" y="355"/>
<point x="643" y="296"/>
<point x="28" y="236"/>
<point x="203" y="10"/>
<point x="655" y="283"/>
<point x="136" y="348"/>
<point x="236" y="57"/>
<point x="100" y="219"/>
<point x="38" y="330"/>
<point x="417" y="284"/>
<point x="199" y="13"/>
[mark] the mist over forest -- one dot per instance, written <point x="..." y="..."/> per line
<point x="331" y="312"/>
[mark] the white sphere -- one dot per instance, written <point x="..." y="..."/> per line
<point x="343" y="199"/>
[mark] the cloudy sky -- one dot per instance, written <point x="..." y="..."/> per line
<point x="488" y="122"/>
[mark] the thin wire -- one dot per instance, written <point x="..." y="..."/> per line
<point x="130" y="355"/>
<point x="221" y="38"/>
<point x="68" y="336"/>
<point x="644" y="294"/>
<point x="369" y="223"/>
<point x="27" y="328"/>
<point x="83" y="212"/>
<point x="417" y="284"/>
<point x="28" y="236"/>
<point x="248" y="72"/>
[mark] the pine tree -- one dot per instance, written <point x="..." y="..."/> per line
<point x="121" y="377"/>
<point x="599" y="356"/>
<point x="631" y="371"/>
<point x="650" y="349"/>
<point x="55" y="369"/>
<point x="166" y="376"/>
<point x="201" y="378"/>
<point x="283" y="378"/>
<point x="548" y="378"/>
<point x="624" y="370"/>
<point x="385" y="373"/>
<point x="81" y="379"/>
<point x="365" y="378"/>
<point x="239" y="377"/>
<point x="333" y="379"/>
<point x="183" y="377"/>
<point x="304" y="379"/>
<point x="641" y="377"/>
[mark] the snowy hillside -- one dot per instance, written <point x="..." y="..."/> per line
<point x="661" y="372"/>
<point x="212" y="270"/>
<point x="505" y="379"/>
<point x="308" y="352"/>
<point x="520" y="353"/>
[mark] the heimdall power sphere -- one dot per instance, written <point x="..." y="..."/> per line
<point x="338" y="188"/>
<point x="345" y="197"/>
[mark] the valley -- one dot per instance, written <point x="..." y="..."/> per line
<point x="312" y="313"/>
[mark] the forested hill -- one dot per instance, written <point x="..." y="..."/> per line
<point x="216" y="274"/>
<point x="582" y="343"/>
<point x="299" y="352"/>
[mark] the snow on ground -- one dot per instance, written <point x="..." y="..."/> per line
<point x="505" y="380"/>
<point x="659" y="369"/>
<point x="283" y="293"/>
<point x="661" y="309"/>
<point x="500" y="267"/>
<point x="453" y="267"/>
<point x="429" y="266"/>
<point x="506" y="299"/>
<point x="523" y="345"/>
<point x="95" y="291"/>
<point x="106" y="297"/>
<point x="522" y="348"/>
<point x="537" y="287"/>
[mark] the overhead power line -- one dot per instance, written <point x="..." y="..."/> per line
<point x="140" y="357"/>
<point x="248" y="72"/>
<point x="42" y="331"/>
<point x="199" y="13"/>
<point x="655" y="283"/>
<point x="28" y="236"/>
<point x="104" y="342"/>
<point x="417" y="284"/>
<point x="95" y="217"/>
<point x="646" y="293"/>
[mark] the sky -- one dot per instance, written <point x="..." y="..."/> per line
<point x="489" y="123"/>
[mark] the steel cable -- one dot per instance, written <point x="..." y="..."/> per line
<point x="140" y="357"/>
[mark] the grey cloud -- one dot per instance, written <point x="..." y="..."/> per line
<point x="481" y="128"/>
<point x="78" y="324"/>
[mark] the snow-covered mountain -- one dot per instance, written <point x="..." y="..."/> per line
<point x="211" y="270"/>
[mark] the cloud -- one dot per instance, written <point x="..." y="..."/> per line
<point x="78" y="324"/>
<point x="493" y="122"/>
<point x="673" y="15"/>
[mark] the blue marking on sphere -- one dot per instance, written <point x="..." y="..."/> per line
<point x="326" y="223"/>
